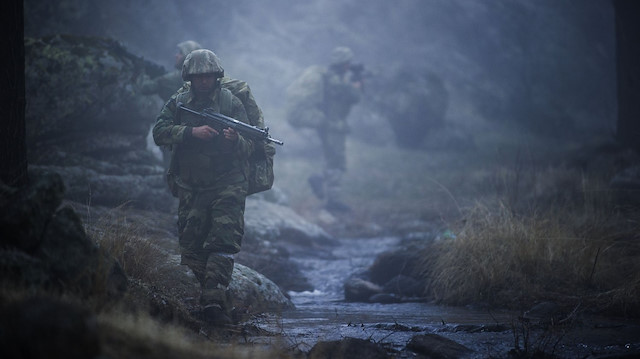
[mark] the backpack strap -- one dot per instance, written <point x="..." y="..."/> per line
<point x="226" y="100"/>
<point x="182" y="96"/>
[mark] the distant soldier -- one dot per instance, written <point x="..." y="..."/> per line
<point x="322" y="98"/>
<point x="167" y="84"/>
<point x="210" y="179"/>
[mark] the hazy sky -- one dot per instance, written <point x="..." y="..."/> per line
<point x="491" y="55"/>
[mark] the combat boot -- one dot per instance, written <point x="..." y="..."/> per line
<point x="216" y="305"/>
<point x="216" y="315"/>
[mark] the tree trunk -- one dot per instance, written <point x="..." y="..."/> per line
<point x="628" y="67"/>
<point x="13" y="148"/>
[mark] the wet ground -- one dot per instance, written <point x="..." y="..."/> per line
<point x="323" y="315"/>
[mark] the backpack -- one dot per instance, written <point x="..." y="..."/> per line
<point x="261" y="175"/>
<point x="306" y="100"/>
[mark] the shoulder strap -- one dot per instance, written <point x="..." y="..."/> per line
<point x="182" y="96"/>
<point x="226" y="98"/>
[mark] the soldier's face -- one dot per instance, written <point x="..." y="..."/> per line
<point x="203" y="84"/>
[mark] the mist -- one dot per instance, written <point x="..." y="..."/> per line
<point x="499" y="61"/>
<point x="483" y="171"/>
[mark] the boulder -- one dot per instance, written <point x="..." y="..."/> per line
<point x="360" y="290"/>
<point x="87" y="122"/>
<point x="388" y="265"/>
<point x="347" y="348"/>
<point x="46" y="247"/>
<point x="404" y="286"/>
<point x="267" y="221"/>
<point x="255" y="293"/>
<point x="436" y="346"/>
<point x="24" y="213"/>
<point x="274" y="234"/>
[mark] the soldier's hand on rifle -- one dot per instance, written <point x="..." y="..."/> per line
<point x="204" y="132"/>
<point x="230" y="134"/>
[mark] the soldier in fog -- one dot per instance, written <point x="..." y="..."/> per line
<point x="322" y="98"/>
<point x="208" y="174"/>
<point x="167" y="84"/>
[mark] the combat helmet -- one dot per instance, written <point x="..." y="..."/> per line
<point x="199" y="62"/>
<point x="186" y="47"/>
<point x="341" y="55"/>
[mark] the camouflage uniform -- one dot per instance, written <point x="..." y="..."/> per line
<point x="212" y="182"/>
<point x="322" y="98"/>
<point x="241" y="90"/>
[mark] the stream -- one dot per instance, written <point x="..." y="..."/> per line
<point x="323" y="315"/>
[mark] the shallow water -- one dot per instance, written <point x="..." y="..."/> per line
<point x="323" y="314"/>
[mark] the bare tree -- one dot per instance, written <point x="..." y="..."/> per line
<point x="13" y="149"/>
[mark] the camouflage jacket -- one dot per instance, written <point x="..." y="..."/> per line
<point x="201" y="164"/>
<point x="241" y="90"/>
<point x="321" y="98"/>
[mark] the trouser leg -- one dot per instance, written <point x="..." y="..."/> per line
<point x="333" y="184"/>
<point x="215" y="289"/>
<point x="192" y="229"/>
<point x="223" y="240"/>
<point x="334" y="149"/>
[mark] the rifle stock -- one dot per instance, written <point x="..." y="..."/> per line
<point x="218" y="120"/>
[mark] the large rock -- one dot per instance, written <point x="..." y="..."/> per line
<point x="255" y="292"/>
<point x="273" y="235"/>
<point x="25" y="212"/>
<point x="388" y="265"/>
<point x="436" y="346"/>
<point x="87" y="185"/>
<point x="46" y="247"/>
<point x="273" y="222"/>
<point x="86" y="121"/>
<point x="348" y="348"/>
<point x="360" y="290"/>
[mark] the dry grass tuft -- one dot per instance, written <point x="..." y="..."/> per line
<point x="140" y="336"/>
<point x="128" y="244"/>
<point x="574" y="255"/>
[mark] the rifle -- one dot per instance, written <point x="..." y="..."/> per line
<point x="358" y="72"/>
<point x="218" y="120"/>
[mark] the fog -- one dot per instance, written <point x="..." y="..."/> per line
<point x="444" y="78"/>
<point x="499" y="60"/>
<point x="441" y="73"/>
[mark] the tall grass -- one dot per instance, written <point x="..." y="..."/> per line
<point x="128" y="243"/>
<point x="578" y="250"/>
